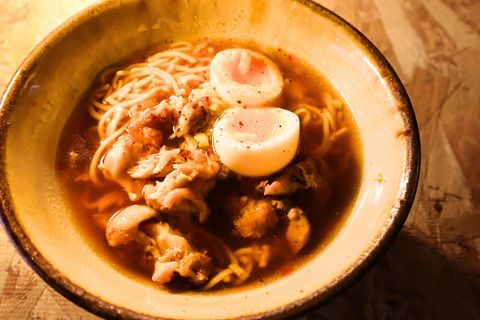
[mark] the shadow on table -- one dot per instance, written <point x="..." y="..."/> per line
<point x="411" y="281"/>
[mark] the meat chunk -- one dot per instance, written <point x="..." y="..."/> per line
<point x="175" y="256"/>
<point x="171" y="251"/>
<point x="147" y="127"/>
<point x="122" y="228"/>
<point x="188" y="201"/>
<point x="255" y="218"/>
<point x="135" y="156"/>
<point x="298" y="230"/>
<point x="155" y="194"/>
<point x="125" y="152"/>
<point x="193" y="116"/>
<point x="184" y="188"/>
<point x="172" y="195"/>
<point x="203" y="164"/>
<point x="302" y="175"/>
<point x="157" y="165"/>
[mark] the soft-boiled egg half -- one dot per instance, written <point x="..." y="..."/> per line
<point x="256" y="141"/>
<point x="245" y="77"/>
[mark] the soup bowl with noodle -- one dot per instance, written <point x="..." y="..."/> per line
<point x="204" y="159"/>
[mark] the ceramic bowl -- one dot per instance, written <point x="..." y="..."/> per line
<point x="60" y="70"/>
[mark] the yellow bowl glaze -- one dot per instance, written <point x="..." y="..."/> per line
<point x="60" y="70"/>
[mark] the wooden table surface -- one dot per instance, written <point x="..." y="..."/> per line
<point x="432" y="271"/>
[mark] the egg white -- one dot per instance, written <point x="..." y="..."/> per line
<point x="245" y="77"/>
<point x="256" y="152"/>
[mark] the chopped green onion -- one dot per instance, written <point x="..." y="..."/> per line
<point x="202" y="140"/>
<point x="222" y="175"/>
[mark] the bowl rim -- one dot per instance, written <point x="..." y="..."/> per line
<point x="96" y="305"/>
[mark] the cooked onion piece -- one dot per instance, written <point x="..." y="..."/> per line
<point x="245" y="77"/>
<point x="256" y="142"/>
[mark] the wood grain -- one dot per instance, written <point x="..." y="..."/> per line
<point x="432" y="270"/>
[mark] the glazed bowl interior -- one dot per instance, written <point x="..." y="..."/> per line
<point x="59" y="72"/>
